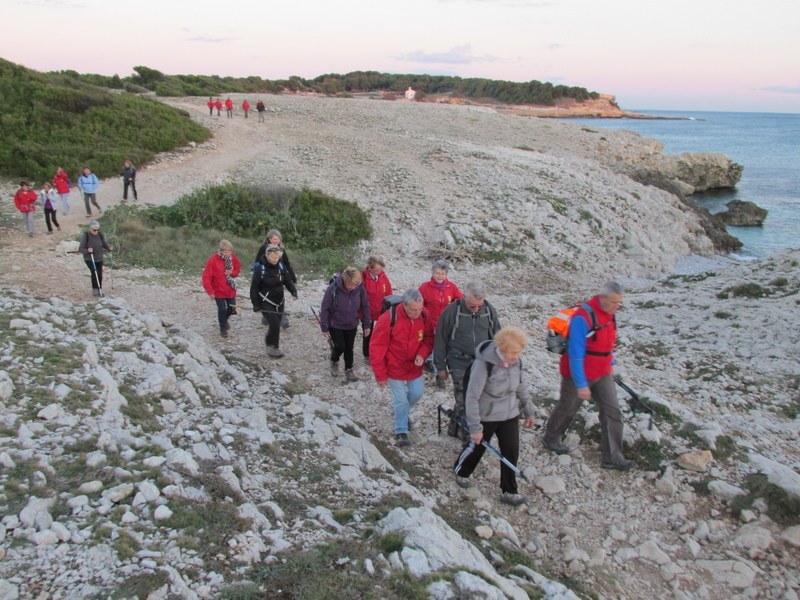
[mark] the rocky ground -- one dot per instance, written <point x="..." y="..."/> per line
<point x="142" y="454"/>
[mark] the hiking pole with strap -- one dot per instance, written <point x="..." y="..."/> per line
<point x="644" y="407"/>
<point x="327" y="335"/>
<point x="110" y="272"/>
<point x="96" y="276"/>
<point x="463" y="424"/>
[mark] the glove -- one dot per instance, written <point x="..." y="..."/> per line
<point x="256" y="308"/>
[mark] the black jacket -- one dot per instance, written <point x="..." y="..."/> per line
<point x="284" y="261"/>
<point x="266" y="287"/>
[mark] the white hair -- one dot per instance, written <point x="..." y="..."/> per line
<point x="412" y="295"/>
<point x="610" y="288"/>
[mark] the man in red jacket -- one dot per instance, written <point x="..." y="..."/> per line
<point x="586" y="372"/>
<point x="245" y="108"/>
<point x="25" y="201"/>
<point x="229" y="107"/>
<point x="402" y="338"/>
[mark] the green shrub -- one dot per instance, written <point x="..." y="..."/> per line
<point x="391" y="542"/>
<point x="744" y="290"/>
<point x="783" y="508"/>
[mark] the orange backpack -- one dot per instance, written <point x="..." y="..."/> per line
<point x="558" y="327"/>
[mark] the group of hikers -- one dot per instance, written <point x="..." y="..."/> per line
<point x="450" y="333"/>
<point x="217" y="104"/>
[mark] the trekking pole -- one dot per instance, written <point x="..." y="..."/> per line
<point x="110" y="272"/>
<point x="96" y="276"/>
<point x="644" y="406"/>
<point x="327" y="335"/>
<point x="461" y="423"/>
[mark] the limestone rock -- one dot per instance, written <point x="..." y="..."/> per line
<point x="697" y="460"/>
<point x="35" y="506"/>
<point x="792" y="535"/>
<point x="182" y="461"/>
<point x="753" y="539"/>
<point x="777" y="474"/>
<point x="733" y="573"/>
<point x="6" y="386"/>
<point x="162" y="513"/>
<point x="724" y="490"/>
<point x="484" y="532"/>
<point x="44" y="538"/>
<point x="472" y="586"/>
<point x="50" y="412"/>
<point x="90" y="487"/>
<point x="649" y="550"/>
<point x="551" y="484"/>
<point x="118" y="493"/>
<point x="743" y="214"/>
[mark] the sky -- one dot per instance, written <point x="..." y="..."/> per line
<point x="740" y="55"/>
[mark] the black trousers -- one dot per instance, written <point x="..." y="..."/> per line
<point x="273" y="317"/>
<point x="50" y="216"/>
<point x="508" y="440"/>
<point x="132" y="184"/>
<point x="96" y="283"/>
<point x="343" y="342"/>
<point x="367" y="338"/>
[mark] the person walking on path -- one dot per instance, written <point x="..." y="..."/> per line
<point x="586" y="372"/>
<point x="93" y="244"/>
<point x="48" y="198"/>
<point x="463" y="325"/>
<point x="218" y="106"/>
<point x="437" y="293"/>
<point x="219" y="274"/>
<point x="343" y="302"/>
<point x="267" y="296"/>
<point x="25" y="201"/>
<point x="63" y="188"/>
<point x="274" y="238"/>
<point x="128" y="174"/>
<point x="210" y="105"/>
<point x="261" y="110"/>
<point x="88" y="184"/>
<point x="495" y="395"/>
<point x="245" y="108"/>
<point x="229" y="107"/>
<point x="402" y="338"/>
<point x="377" y="286"/>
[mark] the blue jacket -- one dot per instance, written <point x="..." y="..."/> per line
<point x="88" y="183"/>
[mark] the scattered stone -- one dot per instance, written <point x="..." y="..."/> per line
<point x="162" y="513"/>
<point x="753" y="539"/>
<point x="792" y="535"/>
<point x="649" y="550"/>
<point x="484" y="532"/>
<point x="777" y="474"/>
<point x="696" y="460"/>
<point x="51" y="412"/>
<point x="44" y="538"/>
<point x="91" y="487"/>
<point x="724" y="491"/>
<point x="733" y="573"/>
<point x="551" y="484"/>
<point x="472" y="586"/>
<point x="118" y="493"/>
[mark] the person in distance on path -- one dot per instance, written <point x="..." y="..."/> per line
<point x="245" y="108"/>
<point x="63" y="186"/>
<point x="25" y="201"/>
<point x="48" y="197"/>
<point x="210" y="105"/>
<point x="229" y="107"/>
<point x="88" y="184"/>
<point x="437" y="293"/>
<point x="128" y="174"/>
<point x="261" y="110"/>
<point x="218" y="106"/>
<point x="586" y="372"/>
<point x="219" y="274"/>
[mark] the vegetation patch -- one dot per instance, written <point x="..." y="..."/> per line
<point x="744" y="290"/>
<point x="648" y="455"/>
<point x="783" y="508"/>
<point x="140" y="586"/>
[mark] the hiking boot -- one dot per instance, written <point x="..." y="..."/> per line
<point x="274" y="352"/>
<point x="513" y="499"/>
<point x="463" y="482"/>
<point x="334" y="369"/>
<point x="620" y="465"/>
<point x="452" y="429"/>
<point x="441" y="383"/>
<point x="223" y="331"/>
<point x="349" y="376"/>
<point x="558" y="446"/>
<point x="401" y="439"/>
<point x="95" y="292"/>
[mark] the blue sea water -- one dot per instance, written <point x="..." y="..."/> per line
<point x="766" y="144"/>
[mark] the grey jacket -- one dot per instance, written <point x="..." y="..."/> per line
<point x="498" y="398"/>
<point x="459" y="332"/>
<point x="96" y="242"/>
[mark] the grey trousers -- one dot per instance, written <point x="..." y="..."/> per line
<point x="605" y="394"/>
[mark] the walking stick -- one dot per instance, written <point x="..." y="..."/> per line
<point x="327" y="335"/>
<point x="96" y="276"/>
<point x="461" y="423"/>
<point x="644" y="406"/>
<point x="110" y="272"/>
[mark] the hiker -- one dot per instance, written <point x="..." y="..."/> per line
<point x="274" y="238"/>
<point x="344" y="301"/>
<point x="261" y="110"/>
<point x="25" y="201"/>
<point x="229" y="107"/>
<point x="402" y="338"/>
<point x="128" y="174"/>
<point x="63" y="188"/>
<point x="377" y="286"/>
<point x="462" y="325"/>
<point x="586" y="370"/>
<point x="93" y="244"/>
<point x="210" y="105"/>
<point x="48" y="195"/>
<point x="88" y="184"/>
<point x="245" y="108"/>
<point x="495" y="395"/>
<point x="221" y="269"/>
<point x="266" y="294"/>
<point x="218" y="106"/>
<point x="437" y="293"/>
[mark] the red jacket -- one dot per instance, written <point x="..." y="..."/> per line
<point x="436" y="300"/>
<point x="218" y="104"/>
<point x="210" y="103"/>
<point x="214" y="281"/>
<point x="377" y="290"/>
<point x="61" y="182"/>
<point x="392" y="350"/>
<point x="25" y="200"/>
<point x="602" y="342"/>
<point x="229" y="104"/>
<point x="245" y="105"/>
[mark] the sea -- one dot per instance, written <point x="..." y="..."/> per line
<point x="766" y="144"/>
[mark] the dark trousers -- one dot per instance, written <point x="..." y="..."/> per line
<point x="273" y="317"/>
<point x="508" y="440"/>
<point x="87" y="197"/>
<point x="366" y="340"/>
<point x="343" y="342"/>
<point x="97" y="283"/>
<point x="50" y="216"/>
<point x="132" y="184"/>
<point x="605" y="394"/>
<point x="458" y="397"/>
<point x="224" y="309"/>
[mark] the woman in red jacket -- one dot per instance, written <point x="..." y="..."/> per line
<point x="218" y="106"/>
<point x="377" y="286"/>
<point x="210" y="105"/>
<point x="438" y="292"/>
<point x="63" y="188"/>
<point x="245" y="107"/>
<point x="218" y="281"/>
<point x="229" y="107"/>
<point x="25" y="201"/>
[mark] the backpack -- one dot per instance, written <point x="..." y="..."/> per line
<point x="558" y="327"/>
<point x="489" y="309"/>
<point x="489" y="367"/>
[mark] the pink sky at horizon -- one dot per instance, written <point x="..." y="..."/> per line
<point x="685" y="55"/>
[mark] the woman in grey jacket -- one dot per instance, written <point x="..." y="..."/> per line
<point x="494" y="398"/>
